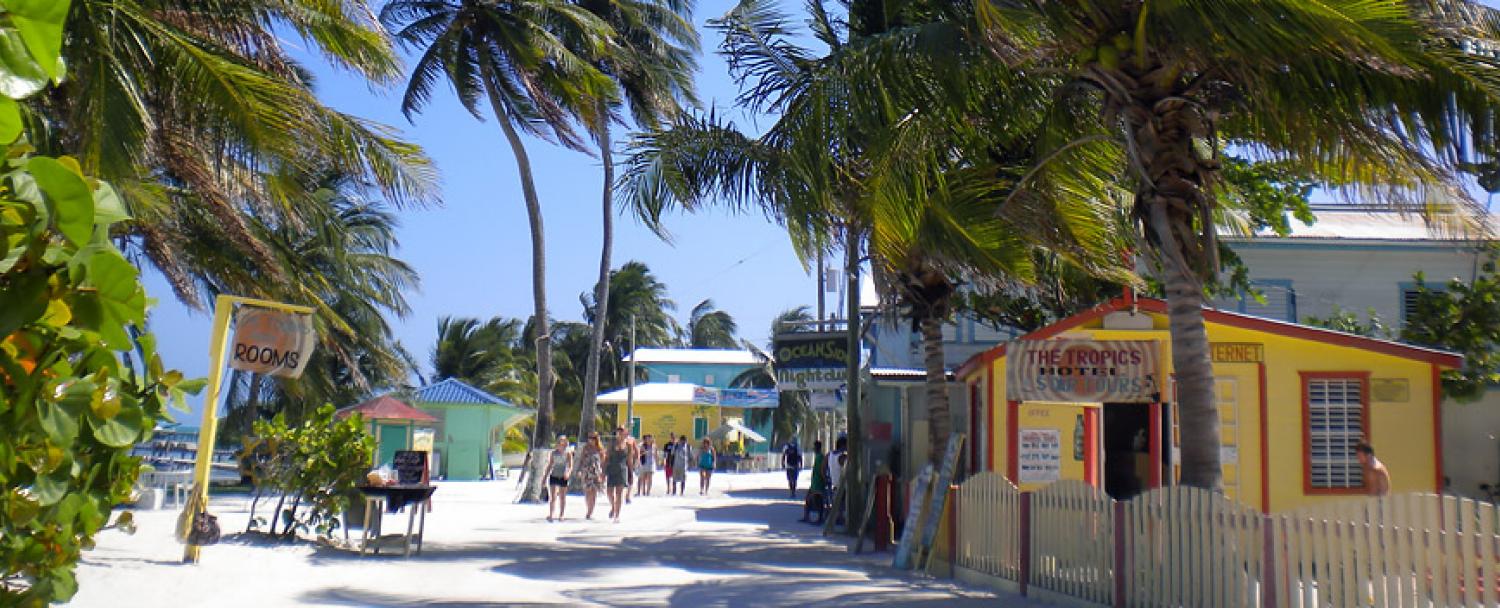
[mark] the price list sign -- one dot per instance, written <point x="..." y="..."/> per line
<point x="1040" y="454"/>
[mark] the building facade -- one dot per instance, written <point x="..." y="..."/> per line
<point x="469" y="430"/>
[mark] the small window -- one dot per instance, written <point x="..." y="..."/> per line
<point x="700" y="428"/>
<point x="1409" y="294"/>
<point x="708" y="379"/>
<point x="1336" y="420"/>
<point x="674" y="378"/>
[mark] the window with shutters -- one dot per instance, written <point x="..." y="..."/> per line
<point x="1409" y="300"/>
<point x="1280" y="300"/>
<point x="1336" y="417"/>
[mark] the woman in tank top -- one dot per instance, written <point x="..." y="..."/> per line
<point x="590" y="471"/>
<point x="617" y="471"/>
<point x="559" y="466"/>
<point x="647" y="468"/>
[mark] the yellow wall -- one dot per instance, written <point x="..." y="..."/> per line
<point x="1403" y="432"/>
<point x="1064" y="418"/>
<point x="659" y="420"/>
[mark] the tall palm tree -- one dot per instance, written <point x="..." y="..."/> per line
<point x="636" y="294"/>
<point x="1378" y="98"/>
<point x="709" y="327"/>
<point x="651" y="60"/>
<point x="197" y="110"/>
<point x="522" y="57"/>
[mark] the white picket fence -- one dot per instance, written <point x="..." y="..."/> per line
<point x="1184" y="547"/>
<point x="989" y="517"/>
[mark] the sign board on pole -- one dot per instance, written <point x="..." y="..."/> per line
<point x="811" y="360"/>
<point x="1040" y="455"/>
<point x="940" y="494"/>
<point x="914" y="512"/>
<point x="1083" y="371"/>
<point x="272" y="342"/>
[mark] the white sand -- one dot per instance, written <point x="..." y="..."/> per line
<point x="741" y="546"/>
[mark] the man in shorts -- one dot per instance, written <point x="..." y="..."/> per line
<point x="791" y="460"/>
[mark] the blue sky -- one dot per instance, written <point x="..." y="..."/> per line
<point x="473" y="251"/>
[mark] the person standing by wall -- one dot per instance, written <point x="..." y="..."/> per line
<point x="1377" y="477"/>
<point x="706" y="457"/>
<point x="559" y="467"/>
<point x="791" y="460"/>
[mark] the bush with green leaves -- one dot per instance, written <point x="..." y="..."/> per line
<point x="80" y="384"/>
<point x="312" y="469"/>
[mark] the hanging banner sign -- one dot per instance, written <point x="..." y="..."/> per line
<point x="271" y="342"/>
<point x="1082" y="371"/>
<point x="811" y="360"/>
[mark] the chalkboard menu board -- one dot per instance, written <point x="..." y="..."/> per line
<point x="411" y="467"/>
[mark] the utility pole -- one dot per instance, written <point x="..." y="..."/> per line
<point x="823" y="288"/>
<point x="630" y="387"/>
<point x="854" y="501"/>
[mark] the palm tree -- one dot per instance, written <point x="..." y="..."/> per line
<point x="634" y="293"/>
<point x="1377" y="98"/>
<point x="651" y="60"/>
<point x="709" y="327"/>
<point x="521" y="57"/>
<point x="198" y="114"/>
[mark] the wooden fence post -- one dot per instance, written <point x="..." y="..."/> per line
<point x="1025" y="523"/>
<point x="1268" y="565"/>
<point x="953" y="520"/>
<point x="1120" y="566"/>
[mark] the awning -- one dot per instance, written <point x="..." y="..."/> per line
<point x="734" y="426"/>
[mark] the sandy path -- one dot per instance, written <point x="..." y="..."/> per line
<point x="741" y="546"/>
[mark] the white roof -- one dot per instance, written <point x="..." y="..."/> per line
<point x="654" y="392"/>
<point x="1363" y="224"/>
<point x="694" y="355"/>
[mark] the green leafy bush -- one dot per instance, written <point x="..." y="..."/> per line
<point x="310" y="469"/>
<point x="79" y="383"/>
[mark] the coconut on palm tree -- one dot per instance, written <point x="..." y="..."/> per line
<point x="523" y="59"/>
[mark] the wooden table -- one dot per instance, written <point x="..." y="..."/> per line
<point x="393" y="498"/>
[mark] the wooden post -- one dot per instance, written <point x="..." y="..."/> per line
<point x="1120" y="566"/>
<point x="1025" y="556"/>
<point x="953" y="526"/>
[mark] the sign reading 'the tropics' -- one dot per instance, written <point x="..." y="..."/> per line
<point x="1082" y="371"/>
<point x="271" y="342"/>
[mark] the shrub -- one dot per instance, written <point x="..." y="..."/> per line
<point x="315" y="465"/>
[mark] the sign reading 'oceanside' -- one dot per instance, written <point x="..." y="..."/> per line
<point x="271" y="342"/>
<point x="811" y="360"/>
<point x="1082" y="371"/>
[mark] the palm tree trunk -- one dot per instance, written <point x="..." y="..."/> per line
<point x="1198" y="413"/>
<point x="543" y="435"/>
<point x="854" y="496"/>
<point x="601" y="289"/>
<point x="939" y="416"/>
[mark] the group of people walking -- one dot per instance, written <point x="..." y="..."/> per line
<point x="611" y="470"/>
<point x="826" y="472"/>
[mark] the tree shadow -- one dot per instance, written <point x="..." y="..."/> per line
<point x="345" y="596"/>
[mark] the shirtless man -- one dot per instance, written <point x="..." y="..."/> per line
<point x="1377" y="477"/>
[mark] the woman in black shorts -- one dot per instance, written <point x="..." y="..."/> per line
<point x="559" y="466"/>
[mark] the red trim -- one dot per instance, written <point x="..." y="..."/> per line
<point x="1265" y="442"/>
<point x="1437" y="428"/>
<point x="1364" y="399"/>
<point x="1282" y="328"/>
<point x="1012" y="421"/>
<point x="989" y="426"/>
<point x="1155" y="439"/>
<point x="974" y="427"/>
<point x="1090" y="451"/>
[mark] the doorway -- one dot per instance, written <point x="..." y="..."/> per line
<point x="1127" y="449"/>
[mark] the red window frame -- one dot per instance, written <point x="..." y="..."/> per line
<point x="1364" y="419"/>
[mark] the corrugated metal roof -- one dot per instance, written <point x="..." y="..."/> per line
<point x="694" y="355"/>
<point x="453" y="390"/>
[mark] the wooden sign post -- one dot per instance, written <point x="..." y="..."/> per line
<point x="940" y="496"/>
<point x="914" y="511"/>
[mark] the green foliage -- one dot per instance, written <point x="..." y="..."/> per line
<point x="1348" y="321"/>
<point x="316" y="465"/>
<point x="1463" y="317"/>
<point x="72" y="401"/>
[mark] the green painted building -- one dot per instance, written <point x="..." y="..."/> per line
<point x="471" y="425"/>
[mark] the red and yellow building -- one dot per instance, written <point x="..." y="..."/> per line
<point x="1293" y="400"/>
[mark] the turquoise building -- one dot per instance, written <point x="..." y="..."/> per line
<point x="470" y="427"/>
<point x="702" y="367"/>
